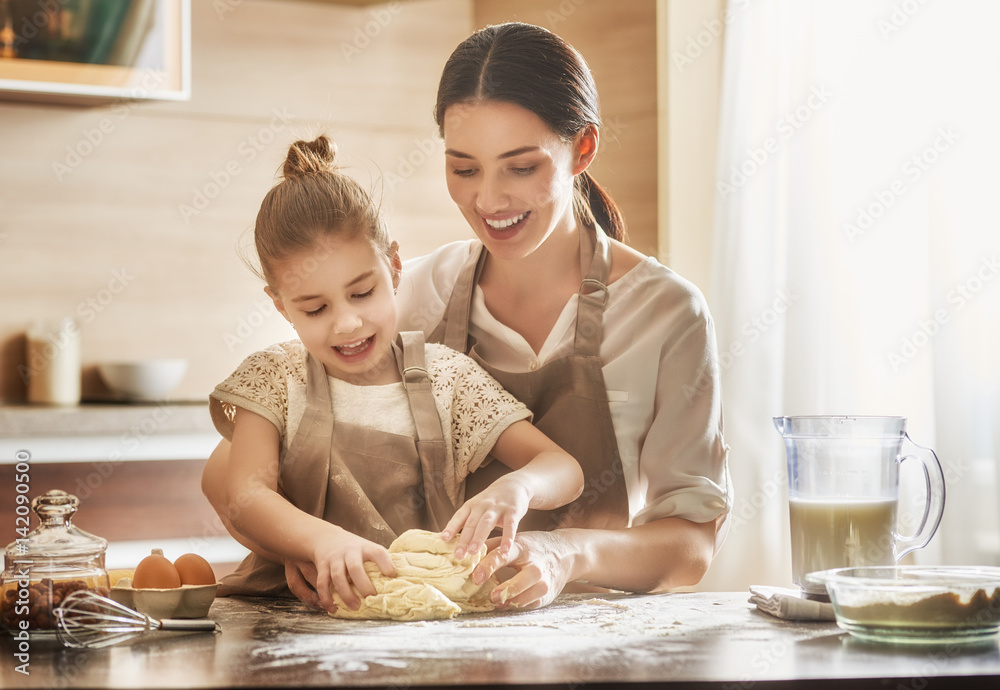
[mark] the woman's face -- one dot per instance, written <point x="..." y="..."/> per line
<point x="339" y="297"/>
<point x="510" y="175"/>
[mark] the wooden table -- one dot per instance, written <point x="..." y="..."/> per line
<point x="672" y="640"/>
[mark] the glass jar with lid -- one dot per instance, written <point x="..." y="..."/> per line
<point x="54" y="559"/>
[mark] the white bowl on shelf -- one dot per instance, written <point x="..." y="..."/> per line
<point x="148" y="379"/>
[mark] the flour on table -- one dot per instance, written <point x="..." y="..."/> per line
<point x="430" y="582"/>
<point x="605" y="602"/>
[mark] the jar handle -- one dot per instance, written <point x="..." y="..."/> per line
<point x="934" y="491"/>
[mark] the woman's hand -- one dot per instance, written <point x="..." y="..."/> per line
<point x="504" y="502"/>
<point x="544" y="564"/>
<point x="301" y="579"/>
<point x="653" y="557"/>
<point x="339" y="559"/>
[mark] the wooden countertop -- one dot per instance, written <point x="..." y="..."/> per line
<point x="667" y="640"/>
<point x="103" y="432"/>
<point x="103" y="418"/>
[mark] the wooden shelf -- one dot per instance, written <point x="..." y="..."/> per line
<point x="77" y="83"/>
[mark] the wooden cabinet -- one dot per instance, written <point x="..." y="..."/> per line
<point x="124" y="502"/>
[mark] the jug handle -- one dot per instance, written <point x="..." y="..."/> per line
<point x="934" y="490"/>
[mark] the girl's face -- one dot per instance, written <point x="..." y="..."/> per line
<point x="339" y="297"/>
<point x="510" y="175"/>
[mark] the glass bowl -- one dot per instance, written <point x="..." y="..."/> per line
<point x="915" y="604"/>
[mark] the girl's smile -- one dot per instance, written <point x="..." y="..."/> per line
<point x="356" y="351"/>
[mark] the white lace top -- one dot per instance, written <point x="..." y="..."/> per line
<point x="473" y="407"/>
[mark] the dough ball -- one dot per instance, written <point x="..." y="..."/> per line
<point x="430" y="582"/>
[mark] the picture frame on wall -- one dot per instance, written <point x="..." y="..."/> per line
<point x="89" y="52"/>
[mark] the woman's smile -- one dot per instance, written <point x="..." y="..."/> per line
<point x="506" y="222"/>
<point x="506" y="228"/>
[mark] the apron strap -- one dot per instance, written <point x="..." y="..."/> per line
<point x="593" y="296"/>
<point x="417" y="383"/>
<point x="312" y="441"/>
<point x="458" y="313"/>
<point x="437" y="472"/>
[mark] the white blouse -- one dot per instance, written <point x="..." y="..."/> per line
<point x="660" y="367"/>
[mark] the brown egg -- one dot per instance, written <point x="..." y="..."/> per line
<point x="194" y="570"/>
<point x="156" y="572"/>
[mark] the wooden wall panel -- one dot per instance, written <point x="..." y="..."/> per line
<point x="162" y="192"/>
<point x="368" y="66"/>
<point x="85" y="192"/>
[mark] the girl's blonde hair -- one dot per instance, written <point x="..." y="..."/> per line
<point x="312" y="203"/>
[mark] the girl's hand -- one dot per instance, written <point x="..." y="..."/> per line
<point x="504" y="502"/>
<point x="543" y="561"/>
<point x="339" y="559"/>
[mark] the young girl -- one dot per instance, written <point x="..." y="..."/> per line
<point x="350" y="435"/>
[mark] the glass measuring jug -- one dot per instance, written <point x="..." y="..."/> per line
<point x="843" y="492"/>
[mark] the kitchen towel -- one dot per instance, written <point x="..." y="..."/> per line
<point x="789" y="604"/>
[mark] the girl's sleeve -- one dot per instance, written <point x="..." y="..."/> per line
<point x="260" y="385"/>
<point x="480" y="408"/>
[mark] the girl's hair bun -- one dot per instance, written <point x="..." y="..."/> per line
<point x="309" y="157"/>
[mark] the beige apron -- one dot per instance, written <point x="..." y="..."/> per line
<point x="567" y="396"/>
<point x="379" y="484"/>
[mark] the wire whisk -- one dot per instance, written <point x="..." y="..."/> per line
<point x="89" y="620"/>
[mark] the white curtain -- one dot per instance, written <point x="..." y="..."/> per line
<point x="856" y="265"/>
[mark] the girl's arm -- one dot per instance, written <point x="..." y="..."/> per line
<point x="544" y="477"/>
<point x="269" y="520"/>
<point x="301" y="576"/>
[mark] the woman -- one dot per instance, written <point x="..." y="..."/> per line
<point x="613" y="353"/>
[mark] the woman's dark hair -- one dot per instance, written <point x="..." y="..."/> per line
<point x="531" y="67"/>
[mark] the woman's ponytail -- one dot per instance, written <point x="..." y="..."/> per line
<point x="593" y="205"/>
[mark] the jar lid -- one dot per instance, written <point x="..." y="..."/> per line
<point x="56" y="536"/>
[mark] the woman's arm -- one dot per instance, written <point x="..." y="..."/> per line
<point x="680" y="455"/>
<point x="654" y="557"/>
<point x="544" y="477"/>
<point x="213" y="485"/>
